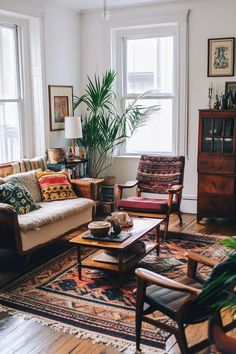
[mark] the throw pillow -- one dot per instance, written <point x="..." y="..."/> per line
<point x="29" y="181"/>
<point x="55" y="186"/>
<point x="16" y="195"/>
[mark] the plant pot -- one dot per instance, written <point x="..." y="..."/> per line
<point x="223" y="342"/>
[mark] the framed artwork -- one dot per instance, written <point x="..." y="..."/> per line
<point x="60" y="105"/>
<point x="230" y="89"/>
<point x="221" y="57"/>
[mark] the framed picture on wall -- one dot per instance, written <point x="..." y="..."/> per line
<point x="60" y="105"/>
<point x="221" y="56"/>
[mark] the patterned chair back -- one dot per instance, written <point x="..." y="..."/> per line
<point x="157" y="173"/>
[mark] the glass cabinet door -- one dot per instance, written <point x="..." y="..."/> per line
<point x="218" y="135"/>
<point x="207" y="130"/>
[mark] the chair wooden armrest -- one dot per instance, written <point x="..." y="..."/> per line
<point x="162" y="281"/>
<point x="175" y="188"/>
<point x="194" y="259"/>
<point x="128" y="184"/>
<point x="119" y="188"/>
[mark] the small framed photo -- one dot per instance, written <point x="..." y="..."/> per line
<point x="221" y="57"/>
<point x="60" y="105"/>
<point x="230" y="89"/>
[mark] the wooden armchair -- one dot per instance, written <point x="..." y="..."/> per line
<point x="181" y="301"/>
<point x="157" y="175"/>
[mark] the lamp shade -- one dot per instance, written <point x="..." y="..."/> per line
<point x="73" y="127"/>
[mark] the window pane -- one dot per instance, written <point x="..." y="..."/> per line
<point x="156" y="135"/>
<point x="150" y="65"/>
<point x="8" y="67"/>
<point x="9" y="132"/>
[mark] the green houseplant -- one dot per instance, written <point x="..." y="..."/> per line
<point x="225" y="343"/>
<point x="104" y="129"/>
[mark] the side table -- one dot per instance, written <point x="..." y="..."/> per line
<point x="88" y="187"/>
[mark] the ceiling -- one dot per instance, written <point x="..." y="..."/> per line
<point x="83" y="5"/>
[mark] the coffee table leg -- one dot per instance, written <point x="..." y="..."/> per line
<point x="157" y="231"/>
<point x="79" y="261"/>
<point x="120" y="268"/>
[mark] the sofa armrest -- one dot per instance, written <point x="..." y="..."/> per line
<point x="9" y="230"/>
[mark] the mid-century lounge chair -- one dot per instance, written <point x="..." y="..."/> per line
<point x="161" y="175"/>
<point x="183" y="301"/>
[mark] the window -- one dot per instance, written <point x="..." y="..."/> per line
<point x="146" y="58"/>
<point x="152" y="53"/>
<point x="10" y="95"/>
<point x="148" y="65"/>
<point x="22" y="103"/>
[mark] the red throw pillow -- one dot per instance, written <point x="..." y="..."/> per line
<point x="55" y="186"/>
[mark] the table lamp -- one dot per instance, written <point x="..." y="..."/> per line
<point x="73" y="130"/>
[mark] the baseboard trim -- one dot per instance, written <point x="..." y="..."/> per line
<point x="189" y="204"/>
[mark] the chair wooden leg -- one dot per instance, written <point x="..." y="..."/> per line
<point x="181" y="340"/>
<point x="166" y="226"/>
<point x="180" y="218"/>
<point x="141" y="288"/>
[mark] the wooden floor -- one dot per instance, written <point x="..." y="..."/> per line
<point x="21" y="336"/>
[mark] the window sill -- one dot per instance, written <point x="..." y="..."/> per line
<point x="128" y="156"/>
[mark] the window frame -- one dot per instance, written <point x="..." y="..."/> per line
<point x="153" y="22"/>
<point x="162" y="31"/>
<point x="18" y="61"/>
<point x="33" y="95"/>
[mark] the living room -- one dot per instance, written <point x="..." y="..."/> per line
<point x="61" y="44"/>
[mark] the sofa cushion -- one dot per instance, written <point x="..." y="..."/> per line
<point x="55" y="186"/>
<point x="16" y="195"/>
<point x="53" y="211"/>
<point x="148" y="205"/>
<point x="29" y="180"/>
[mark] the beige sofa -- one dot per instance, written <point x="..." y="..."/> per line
<point x="25" y="233"/>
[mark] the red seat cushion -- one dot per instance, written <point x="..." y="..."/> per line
<point x="149" y="205"/>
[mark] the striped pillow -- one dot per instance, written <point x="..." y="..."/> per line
<point x="55" y="186"/>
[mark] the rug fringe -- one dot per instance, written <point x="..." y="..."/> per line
<point x="119" y="344"/>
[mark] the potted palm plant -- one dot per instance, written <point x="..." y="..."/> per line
<point x="221" y="285"/>
<point x="104" y="129"/>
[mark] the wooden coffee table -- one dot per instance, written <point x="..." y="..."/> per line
<point x="139" y="229"/>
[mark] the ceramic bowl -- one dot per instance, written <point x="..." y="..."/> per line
<point x="99" y="228"/>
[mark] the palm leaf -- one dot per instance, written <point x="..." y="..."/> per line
<point x="104" y="130"/>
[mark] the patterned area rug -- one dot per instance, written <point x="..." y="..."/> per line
<point x="96" y="307"/>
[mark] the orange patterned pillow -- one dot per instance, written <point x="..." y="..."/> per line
<point x="55" y="186"/>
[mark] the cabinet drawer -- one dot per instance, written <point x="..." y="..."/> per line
<point x="214" y="164"/>
<point x="216" y="184"/>
<point x="216" y="206"/>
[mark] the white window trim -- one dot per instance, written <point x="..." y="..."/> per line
<point x="33" y="130"/>
<point x="150" y="20"/>
<point x="155" y="32"/>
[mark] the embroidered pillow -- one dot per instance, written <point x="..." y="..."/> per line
<point x="55" y="186"/>
<point x="16" y="195"/>
<point x="29" y="181"/>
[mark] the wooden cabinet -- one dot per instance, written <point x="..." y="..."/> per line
<point x="217" y="164"/>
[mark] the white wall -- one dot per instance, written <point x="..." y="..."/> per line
<point x="208" y="19"/>
<point x="62" y="54"/>
<point x="61" y="51"/>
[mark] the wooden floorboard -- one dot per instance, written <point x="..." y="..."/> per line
<point x="21" y="336"/>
